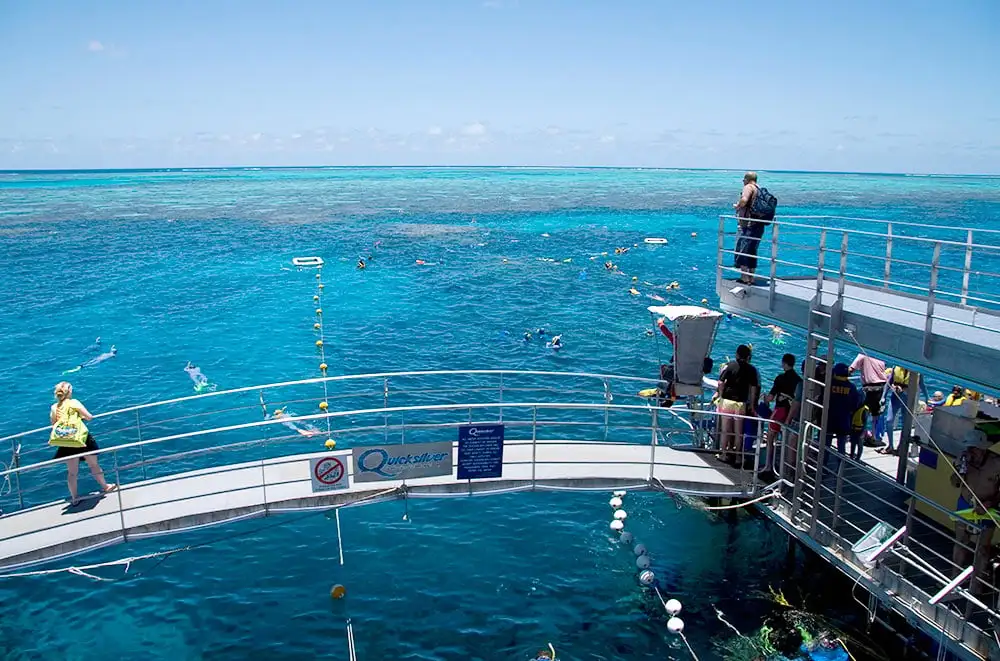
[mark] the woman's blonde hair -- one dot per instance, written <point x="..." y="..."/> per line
<point x="64" y="390"/>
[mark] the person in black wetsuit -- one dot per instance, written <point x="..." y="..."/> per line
<point x="739" y="386"/>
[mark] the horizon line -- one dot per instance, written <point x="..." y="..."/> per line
<point x="489" y="167"/>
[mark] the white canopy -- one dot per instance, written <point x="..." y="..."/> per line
<point x="674" y="312"/>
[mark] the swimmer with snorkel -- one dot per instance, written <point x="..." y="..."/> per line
<point x="201" y="383"/>
<point x="555" y="343"/>
<point x="285" y="416"/>
<point x="95" y="360"/>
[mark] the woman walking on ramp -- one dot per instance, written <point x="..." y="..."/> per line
<point x="71" y="437"/>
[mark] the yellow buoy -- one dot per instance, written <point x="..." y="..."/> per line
<point x="330" y="444"/>
<point x="317" y="326"/>
<point x="322" y="366"/>
<point x="338" y="591"/>
<point x="319" y="343"/>
<point x="319" y="310"/>
<point x="323" y="406"/>
<point x="321" y="285"/>
<point x="635" y="278"/>
<point x="315" y="298"/>
<point x="317" y="276"/>
<point x="704" y="301"/>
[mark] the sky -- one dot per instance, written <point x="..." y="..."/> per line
<point x="884" y="86"/>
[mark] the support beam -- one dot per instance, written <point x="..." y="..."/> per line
<point x="912" y="401"/>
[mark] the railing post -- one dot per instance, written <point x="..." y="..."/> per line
<point x="501" y="397"/>
<point x="843" y="266"/>
<point x="837" y="493"/>
<point x="142" y="454"/>
<point x="929" y="315"/>
<point x="720" y="249"/>
<point x="534" y="442"/>
<point x="888" y="256"/>
<point x="385" y="405"/>
<point x="607" y="400"/>
<point x="774" y="267"/>
<point x="820" y="266"/>
<point x="16" y="462"/>
<point x="967" y="269"/>
<point x="118" y="493"/>
<point x="652" y="444"/>
<point x="761" y="430"/>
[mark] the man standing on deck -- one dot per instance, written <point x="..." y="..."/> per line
<point x="978" y="500"/>
<point x="750" y="230"/>
<point x="873" y="387"/>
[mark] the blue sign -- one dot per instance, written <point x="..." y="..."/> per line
<point x="480" y="451"/>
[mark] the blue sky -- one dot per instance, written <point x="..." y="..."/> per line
<point x="893" y="85"/>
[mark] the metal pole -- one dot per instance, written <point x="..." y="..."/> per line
<point x="843" y="265"/>
<point x="501" y="397"/>
<point x="968" y="267"/>
<point x="837" y="492"/>
<point x="774" y="266"/>
<point x="721" y="247"/>
<point x="385" y="405"/>
<point x="142" y="455"/>
<point x="16" y="454"/>
<point x="652" y="446"/>
<point x="534" y="442"/>
<point x="118" y="492"/>
<point x="607" y="400"/>
<point x="912" y="400"/>
<point x="888" y="255"/>
<point x="929" y="315"/>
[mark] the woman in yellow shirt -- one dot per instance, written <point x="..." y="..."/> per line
<point x="71" y="437"/>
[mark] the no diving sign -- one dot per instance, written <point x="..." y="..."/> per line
<point x="328" y="473"/>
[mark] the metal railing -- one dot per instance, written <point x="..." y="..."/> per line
<point x="187" y="433"/>
<point x="943" y="276"/>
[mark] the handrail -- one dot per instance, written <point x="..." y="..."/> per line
<point x="343" y="377"/>
<point x="373" y="411"/>
<point x="892" y="222"/>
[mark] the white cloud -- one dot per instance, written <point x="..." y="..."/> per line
<point x="474" y="129"/>
<point x="840" y="147"/>
<point x="553" y="130"/>
<point x="296" y="136"/>
<point x="435" y="130"/>
<point x="255" y="137"/>
<point x="94" y="46"/>
<point x="607" y="139"/>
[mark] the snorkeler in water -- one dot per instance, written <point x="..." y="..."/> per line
<point x="95" y="347"/>
<point x="201" y="383"/>
<point x="305" y="429"/>
<point x="95" y="360"/>
<point x="555" y="343"/>
<point x="361" y="264"/>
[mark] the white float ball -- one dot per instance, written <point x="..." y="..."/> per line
<point x="619" y="494"/>
<point x="642" y="562"/>
<point x="615" y="502"/>
<point x="673" y="606"/>
<point x="646" y="577"/>
<point x="627" y="538"/>
<point x="621" y="515"/>
<point x="617" y="525"/>
<point x="675" y="625"/>
<point x="640" y="549"/>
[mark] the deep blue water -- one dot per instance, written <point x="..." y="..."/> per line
<point x="177" y="266"/>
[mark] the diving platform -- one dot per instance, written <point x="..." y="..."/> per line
<point x="921" y="297"/>
<point x="220" y="457"/>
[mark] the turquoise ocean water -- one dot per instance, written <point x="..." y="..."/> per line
<point x="172" y="266"/>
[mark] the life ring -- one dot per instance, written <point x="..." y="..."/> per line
<point x="654" y="240"/>
<point x="307" y="261"/>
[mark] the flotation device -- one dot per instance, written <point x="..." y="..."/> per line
<point x="307" y="261"/>
<point x="972" y="515"/>
<point x="649" y="392"/>
<point x="633" y="291"/>
<point x="654" y="240"/>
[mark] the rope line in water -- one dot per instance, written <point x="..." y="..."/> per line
<point x="322" y="338"/>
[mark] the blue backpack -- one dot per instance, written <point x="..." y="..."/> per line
<point x="764" y="205"/>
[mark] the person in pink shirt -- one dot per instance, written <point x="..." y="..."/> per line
<point x="872" y="385"/>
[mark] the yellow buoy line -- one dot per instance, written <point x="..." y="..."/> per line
<point x="317" y="298"/>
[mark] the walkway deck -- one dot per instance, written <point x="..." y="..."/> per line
<point x="216" y="495"/>
<point x="963" y="341"/>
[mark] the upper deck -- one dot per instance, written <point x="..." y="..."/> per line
<point x="924" y="295"/>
